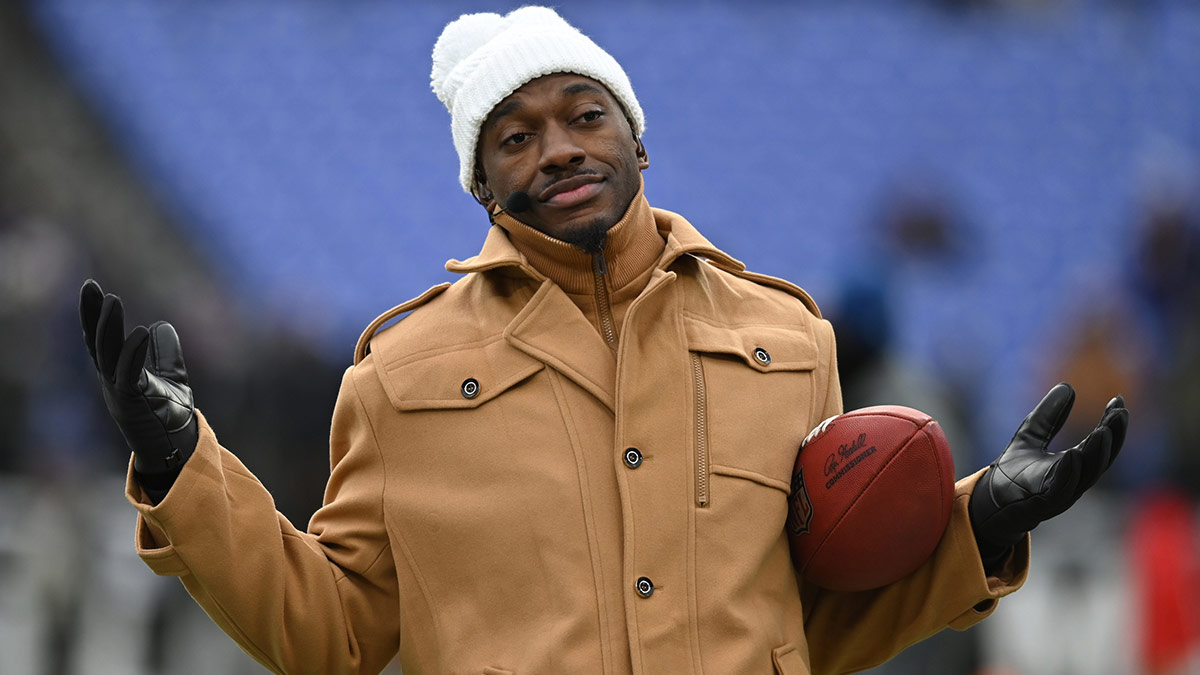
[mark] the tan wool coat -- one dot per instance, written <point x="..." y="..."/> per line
<point x="519" y="486"/>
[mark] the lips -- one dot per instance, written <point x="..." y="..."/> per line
<point x="571" y="191"/>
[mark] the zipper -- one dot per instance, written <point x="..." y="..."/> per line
<point x="701" y="414"/>
<point x="603" y="302"/>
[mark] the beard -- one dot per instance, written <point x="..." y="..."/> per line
<point x="589" y="238"/>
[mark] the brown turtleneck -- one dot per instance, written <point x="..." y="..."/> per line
<point x="603" y="285"/>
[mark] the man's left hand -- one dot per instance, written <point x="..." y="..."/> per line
<point x="1028" y="484"/>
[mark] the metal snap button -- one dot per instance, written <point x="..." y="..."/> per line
<point x="470" y="388"/>
<point x="762" y="356"/>
<point x="645" y="587"/>
<point x="633" y="458"/>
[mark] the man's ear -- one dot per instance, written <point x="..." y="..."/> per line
<point x="642" y="155"/>
<point x="480" y="190"/>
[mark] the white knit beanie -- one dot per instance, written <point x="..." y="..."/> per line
<point x="482" y="58"/>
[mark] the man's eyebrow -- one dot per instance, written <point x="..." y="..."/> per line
<point x="582" y="88"/>
<point x="506" y="109"/>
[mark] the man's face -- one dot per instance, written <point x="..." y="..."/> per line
<point x="564" y="140"/>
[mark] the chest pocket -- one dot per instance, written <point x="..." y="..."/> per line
<point x="754" y="400"/>
<point x="457" y="377"/>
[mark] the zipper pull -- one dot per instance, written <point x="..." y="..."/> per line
<point x="601" y="264"/>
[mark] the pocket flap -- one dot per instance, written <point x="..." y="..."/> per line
<point x="442" y="378"/>
<point x="788" y="661"/>
<point x="764" y="347"/>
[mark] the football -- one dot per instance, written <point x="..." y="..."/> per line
<point x="871" y="497"/>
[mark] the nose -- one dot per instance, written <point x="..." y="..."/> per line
<point x="560" y="150"/>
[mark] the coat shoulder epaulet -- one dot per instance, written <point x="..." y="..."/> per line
<point x="364" y="341"/>
<point x="772" y="282"/>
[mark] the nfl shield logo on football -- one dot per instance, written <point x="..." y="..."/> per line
<point x="800" y="507"/>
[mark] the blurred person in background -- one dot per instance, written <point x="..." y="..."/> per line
<point x="1163" y="536"/>
<point x="1165" y="277"/>
<point x="474" y="491"/>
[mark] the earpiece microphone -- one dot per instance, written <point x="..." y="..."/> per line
<point x="517" y="202"/>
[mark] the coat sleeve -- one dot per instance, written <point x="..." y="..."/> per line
<point x="851" y="631"/>
<point x="322" y="601"/>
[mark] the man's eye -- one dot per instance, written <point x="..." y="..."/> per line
<point x="592" y="115"/>
<point x="516" y="139"/>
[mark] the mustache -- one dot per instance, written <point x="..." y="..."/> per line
<point x="564" y="175"/>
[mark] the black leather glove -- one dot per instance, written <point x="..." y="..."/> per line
<point x="1028" y="484"/>
<point x="148" y="398"/>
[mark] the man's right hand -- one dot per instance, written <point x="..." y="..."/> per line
<point x="150" y="400"/>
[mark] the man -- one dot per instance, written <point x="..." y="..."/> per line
<point x="574" y="459"/>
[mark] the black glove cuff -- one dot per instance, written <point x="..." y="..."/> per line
<point x="169" y="456"/>
<point x="993" y="556"/>
<point x="993" y="541"/>
<point x="156" y="485"/>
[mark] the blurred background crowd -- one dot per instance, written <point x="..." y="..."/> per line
<point x="985" y="197"/>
